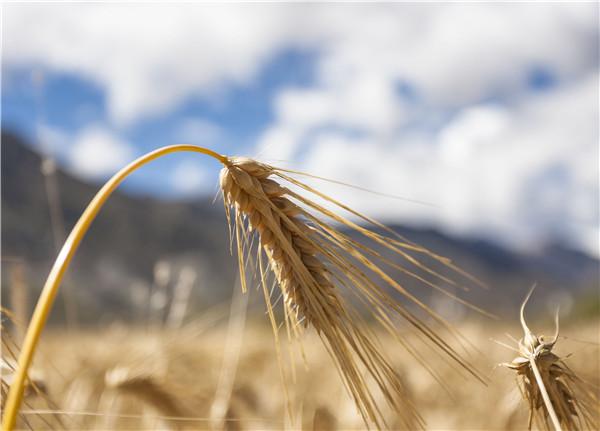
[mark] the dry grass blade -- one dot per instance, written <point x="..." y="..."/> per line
<point x="36" y="388"/>
<point x="308" y="257"/>
<point x="554" y="393"/>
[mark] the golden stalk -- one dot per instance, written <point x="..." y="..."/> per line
<point x="44" y="304"/>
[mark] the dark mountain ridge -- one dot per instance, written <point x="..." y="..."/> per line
<point x="131" y="234"/>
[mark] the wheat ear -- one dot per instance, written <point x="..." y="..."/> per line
<point x="146" y="388"/>
<point x="549" y="386"/>
<point x="308" y="258"/>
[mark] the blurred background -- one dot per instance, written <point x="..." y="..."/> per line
<point x="485" y="114"/>
<point x="482" y="117"/>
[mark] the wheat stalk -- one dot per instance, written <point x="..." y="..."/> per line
<point x="552" y="390"/>
<point x="50" y="289"/>
<point x="309" y="257"/>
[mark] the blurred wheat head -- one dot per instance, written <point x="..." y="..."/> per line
<point x="553" y="392"/>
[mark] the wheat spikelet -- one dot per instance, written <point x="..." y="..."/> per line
<point x="553" y="392"/>
<point x="146" y="388"/>
<point x="282" y="235"/>
<point x="308" y="258"/>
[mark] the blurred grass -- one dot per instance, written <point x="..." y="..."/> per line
<point x="78" y="370"/>
<point x="586" y="306"/>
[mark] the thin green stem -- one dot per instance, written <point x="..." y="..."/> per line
<point x="44" y="304"/>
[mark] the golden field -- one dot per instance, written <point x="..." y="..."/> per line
<point x="210" y="374"/>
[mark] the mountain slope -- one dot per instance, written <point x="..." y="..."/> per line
<point x="132" y="233"/>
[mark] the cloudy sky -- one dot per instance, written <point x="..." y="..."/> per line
<point x="487" y="112"/>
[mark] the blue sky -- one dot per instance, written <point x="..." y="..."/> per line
<point x="63" y="101"/>
<point x="487" y="111"/>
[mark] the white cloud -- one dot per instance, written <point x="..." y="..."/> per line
<point x="449" y="56"/>
<point x="519" y="174"/>
<point x="280" y="143"/>
<point x="304" y="108"/>
<point x="148" y="57"/>
<point x="98" y="153"/>
<point x="198" y="131"/>
<point x="151" y="57"/>
<point x="523" y="169"/>
<point x="190" y="178"/>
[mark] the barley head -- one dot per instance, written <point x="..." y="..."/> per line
<point x="553" y="392"/>
<point x="295" y="238"/>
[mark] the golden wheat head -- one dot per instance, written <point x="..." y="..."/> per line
<point x="311" y="259"/>
<point x="553" y="392"/>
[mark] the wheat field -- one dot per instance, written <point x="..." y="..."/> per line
<point x="342" y="351"/>
<point x="151" y="378"/>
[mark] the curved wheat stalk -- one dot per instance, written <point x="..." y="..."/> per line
<point x="312" y="261"/>
<point x="50" y="289"/>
